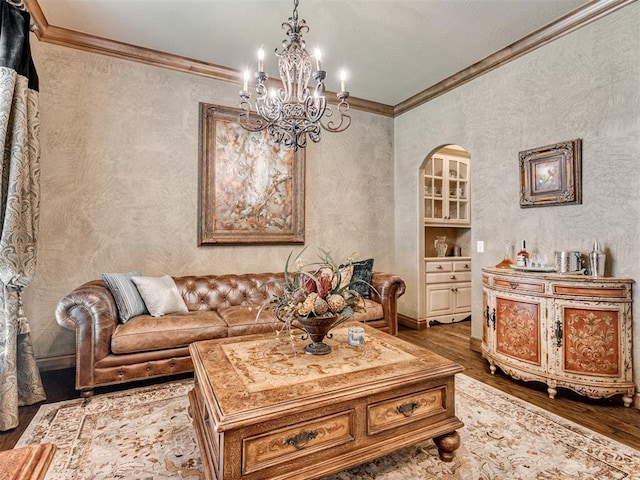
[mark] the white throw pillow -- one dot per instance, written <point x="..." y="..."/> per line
<point x="160" y="295"/>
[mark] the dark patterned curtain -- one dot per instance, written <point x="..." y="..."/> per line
<point x="20" y="382"/>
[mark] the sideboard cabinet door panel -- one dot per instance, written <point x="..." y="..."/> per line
<point x="591" y="341"/>
<point x="518" y="329"/>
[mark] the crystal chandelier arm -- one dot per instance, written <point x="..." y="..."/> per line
<point x="252" y="123"/>
<point x="330" y="123"/>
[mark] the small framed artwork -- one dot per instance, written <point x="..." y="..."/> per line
<point x="251" y="190"/>
<point x="551" y="175"/>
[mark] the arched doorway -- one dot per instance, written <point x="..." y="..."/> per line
<point x="445" y="212"/>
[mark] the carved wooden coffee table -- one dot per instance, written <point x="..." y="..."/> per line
<point x="263" y="409"/>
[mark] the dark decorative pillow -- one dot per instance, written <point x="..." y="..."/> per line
<point x="126" y="295"/>
<point x="362" y="270"/>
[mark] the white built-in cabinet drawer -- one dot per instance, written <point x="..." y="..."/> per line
<point x="448" y="289"/>
<point x="462" y="266"/>
<point x="448" y="277"/>
<point x="443" y="266"/>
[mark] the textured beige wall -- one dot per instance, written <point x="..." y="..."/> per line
<point x="583" y="85"/>
<point x="120" y="180"/>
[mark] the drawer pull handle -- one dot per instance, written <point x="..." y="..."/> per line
<point x="559" y="334"/>
<point x="439" y="267"/>
<point x="514" y="285"/>
<point x="490" y="317"/>
<point x="453" y="277"/>
<point x="407" y="408"/>
<point x="301" y="439"/>
<point x="466" y="265"/>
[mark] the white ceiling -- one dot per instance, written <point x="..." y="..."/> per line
<point x="391" y="49"/>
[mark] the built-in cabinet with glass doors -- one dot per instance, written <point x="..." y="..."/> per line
<point x="446" y="191"/>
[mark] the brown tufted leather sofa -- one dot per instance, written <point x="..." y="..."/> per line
<point x="109" y="352"/>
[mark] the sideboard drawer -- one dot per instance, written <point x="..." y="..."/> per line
<point x="280" y="446"/>
<point x="518" y="286"/>
<point x="448" y="277"/>
<point x="399" y="411"/>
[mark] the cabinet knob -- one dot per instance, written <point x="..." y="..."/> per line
<point x="466" y="265"/>
<point x="439" y="267"/>
<point x="453" y="277"/>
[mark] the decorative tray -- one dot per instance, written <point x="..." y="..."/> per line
<point x="534" y="269"/>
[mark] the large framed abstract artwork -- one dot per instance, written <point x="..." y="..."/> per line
<point x="551" y="175"/>
<point x="251" y="190"/>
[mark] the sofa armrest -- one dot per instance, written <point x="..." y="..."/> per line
<point x="388" y="288"/>
<point x="91" y="311"/>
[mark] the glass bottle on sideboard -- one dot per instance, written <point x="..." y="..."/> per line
<point x="522" y="257"/>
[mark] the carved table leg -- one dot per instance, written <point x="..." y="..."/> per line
<point x="447" y="444"/>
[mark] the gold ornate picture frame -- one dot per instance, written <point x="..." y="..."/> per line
<point x="251" y="190"/>
<point x="551" y="175"/>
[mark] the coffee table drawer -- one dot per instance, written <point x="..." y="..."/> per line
<point x="289" y="443"/>
<point x="399" y="411"/>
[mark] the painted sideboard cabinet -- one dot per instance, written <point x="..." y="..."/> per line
<point x="564" y="330"/>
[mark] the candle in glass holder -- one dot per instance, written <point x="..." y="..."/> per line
<point x="356" y="336"/>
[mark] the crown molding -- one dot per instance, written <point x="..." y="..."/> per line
<point x="580" y="17"/>
<point x="91" y="43"/>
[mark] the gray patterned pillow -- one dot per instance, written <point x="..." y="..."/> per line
<point x="125" y="293"/>
<point x="160" y="295"/>
<point x="362" y="275"/>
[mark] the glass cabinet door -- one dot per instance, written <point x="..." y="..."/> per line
<point x="434" y="186"/>
<point x="458" y="191"/>
<point x="446" y="190"/>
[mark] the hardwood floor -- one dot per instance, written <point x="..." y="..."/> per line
<point x="607" y="416"/>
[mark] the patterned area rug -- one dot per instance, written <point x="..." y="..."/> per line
<point x="146" y="433"/>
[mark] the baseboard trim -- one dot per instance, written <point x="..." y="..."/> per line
<point x="475" y="344"/>
<point x="56" y="363"/>
<point x="411" y="322"/>
<point x="636" y="400"/>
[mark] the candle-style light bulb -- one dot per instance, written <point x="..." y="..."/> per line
<point x="318" y="59"/>
<point x="246" y="80"/>
<point x="343" y="77"/>
<point x="261" y="60"/>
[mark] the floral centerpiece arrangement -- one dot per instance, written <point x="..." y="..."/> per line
<point x="316" y="297"/>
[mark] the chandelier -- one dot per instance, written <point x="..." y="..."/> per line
<point x="293" y="112"/>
